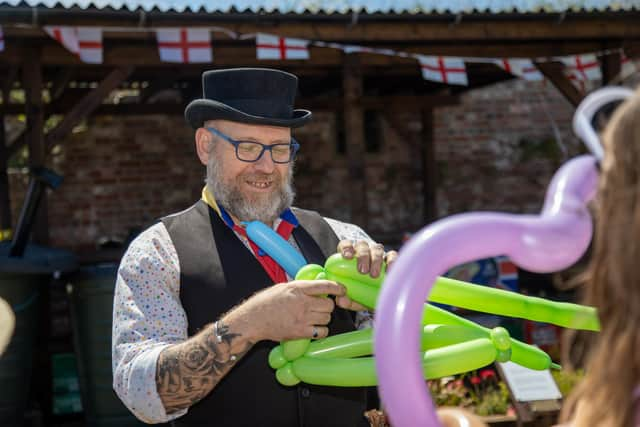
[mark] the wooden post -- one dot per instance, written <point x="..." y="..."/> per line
<point x="553" y="71"/>
<point x="32" y="84"/>
<point x="429" y="168"/>
<point x="5" y="199"/>
<point x="87" y="105"/>
<point x="611" y="66"/>
<point x="354" y="135"/>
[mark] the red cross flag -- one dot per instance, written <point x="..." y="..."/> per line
<point x="443" y="69"/>
<point x="90" y="44"/>
<point x="523" y="68"/>
<point x="84" y="42"/>
<point x="274" y="47"/>
<point x="582" y="67"/>
<point x="1" y="39"/>
<point x="66" y="36"/>
<point x="184" y="45"/>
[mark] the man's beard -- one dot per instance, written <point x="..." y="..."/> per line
<point x="264" y="207"/>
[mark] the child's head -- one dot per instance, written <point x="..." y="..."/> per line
<point x="613" y="279"/>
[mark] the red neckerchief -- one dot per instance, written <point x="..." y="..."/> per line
<point x="285" y="228"/>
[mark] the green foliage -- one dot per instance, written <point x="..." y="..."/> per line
<point x="480" y="392"/>
<point x="567" y="380"/>
<point x="546" y="148"/>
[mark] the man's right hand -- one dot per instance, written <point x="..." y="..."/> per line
<point x="292" y="310"/>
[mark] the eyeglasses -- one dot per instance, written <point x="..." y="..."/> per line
<point x="250" y="151"/>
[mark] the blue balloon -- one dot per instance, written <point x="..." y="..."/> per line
<point x="276" y="247"/>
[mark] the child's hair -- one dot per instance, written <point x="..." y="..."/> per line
<point x="605" y="396"/>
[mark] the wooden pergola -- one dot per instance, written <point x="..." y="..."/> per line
<point x="55" y="82"/>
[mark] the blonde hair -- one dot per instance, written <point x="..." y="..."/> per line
<point x="612" y="284"/>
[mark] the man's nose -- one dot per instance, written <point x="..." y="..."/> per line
<point x="265" y="164"/>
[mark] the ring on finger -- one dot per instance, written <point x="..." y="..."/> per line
<point x="315" y="332"/>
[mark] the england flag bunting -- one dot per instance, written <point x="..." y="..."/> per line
<point x="84" y="42"/>
<point x="184" y="45"/>
<point x="1" y="39"/>
<point x="90" y="44"/>
<point x="582" y="67"/>
<point x="443" y="69"/>
<point x="66" y="36"/>
<point x="523" y="68"/>
<point x="282" y="48"/>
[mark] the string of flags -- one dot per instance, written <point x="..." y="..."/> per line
<point x="193" y="46"/>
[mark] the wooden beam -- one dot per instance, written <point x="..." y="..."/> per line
<point x="544" y="27"/>
<point x="87" y="105"/>
<point x="7" y="84"/>
<point x="611" y="66"/>
<point x="5" y="199"/>
<point x="61" y="81"/>
<point x="57" y="89"/>
<point x="429" y="169"/>
<point x="553" y="72"/>
<point x="241" y="53"/>
<point x="354" y="136"/>
<point x="396" y="102"/>
<point x="161" y="82"/>
<point x="32" y="84"/>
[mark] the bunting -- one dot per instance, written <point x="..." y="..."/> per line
<point x="84" y="42"/>
<point x="282" y="48"/>
<point x="523" y="68"/>
<point x="184" y="45"/>
<point x="443" y="69"/>
<point x="193" y="45"/>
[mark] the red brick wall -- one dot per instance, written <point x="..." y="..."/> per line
<point x="495" y="151"/>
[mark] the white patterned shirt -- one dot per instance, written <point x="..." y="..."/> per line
<point x="148" y="315"/>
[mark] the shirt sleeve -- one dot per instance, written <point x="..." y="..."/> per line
<point x="346" y="231"/>
<point x="147" y="317"/>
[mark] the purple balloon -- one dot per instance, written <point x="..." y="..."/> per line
<point x="553" y="240"/>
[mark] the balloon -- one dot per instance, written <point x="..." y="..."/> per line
<point x="277" y="248"/>
<point x="337" y="361"/>
<point x="587" y="110"/>
<point x="361" y="371"/>
<point x="548" y="242"/>
<point x="293" y="349"/>
<point x="364" y="289"/>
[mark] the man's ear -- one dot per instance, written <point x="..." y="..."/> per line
<point x="203" y="145"/>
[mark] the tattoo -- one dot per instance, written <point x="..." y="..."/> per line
<point x="188" y="371"/>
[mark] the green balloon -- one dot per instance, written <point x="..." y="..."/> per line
<point x="276" y="358"/>
<point x="309" y="272"/>
<point x="512" y="304"/>
<point x="294" y="349"/>
<point x="349" y="344"/>
<point x="469" y="296"/>
<point x="286" y="376"/>
<point x="500" y="338"/>
<point x="361" y="372"/>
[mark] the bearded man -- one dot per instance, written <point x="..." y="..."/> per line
<point x="198" y="306"/>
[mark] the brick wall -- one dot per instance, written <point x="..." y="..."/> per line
<point x="495" y="151"/>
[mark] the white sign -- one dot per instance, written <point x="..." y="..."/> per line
<point x="528" y="385"/>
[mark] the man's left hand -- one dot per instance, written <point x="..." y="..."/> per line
<point x="370" y="258"/>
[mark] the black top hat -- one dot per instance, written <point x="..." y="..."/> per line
<point x="258" y="96"/>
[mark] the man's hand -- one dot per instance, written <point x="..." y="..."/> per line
<point x="286" y="311"/>
<point x="370" y="257"/>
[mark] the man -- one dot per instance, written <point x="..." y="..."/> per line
<point x="198" y="306"/>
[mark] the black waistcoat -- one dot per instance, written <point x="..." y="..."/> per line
<point x="217" y="272"/>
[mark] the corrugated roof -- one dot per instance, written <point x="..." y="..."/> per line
<point x="345" y="6"/>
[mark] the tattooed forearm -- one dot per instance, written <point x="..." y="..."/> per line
<point x="188" y="371"/>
